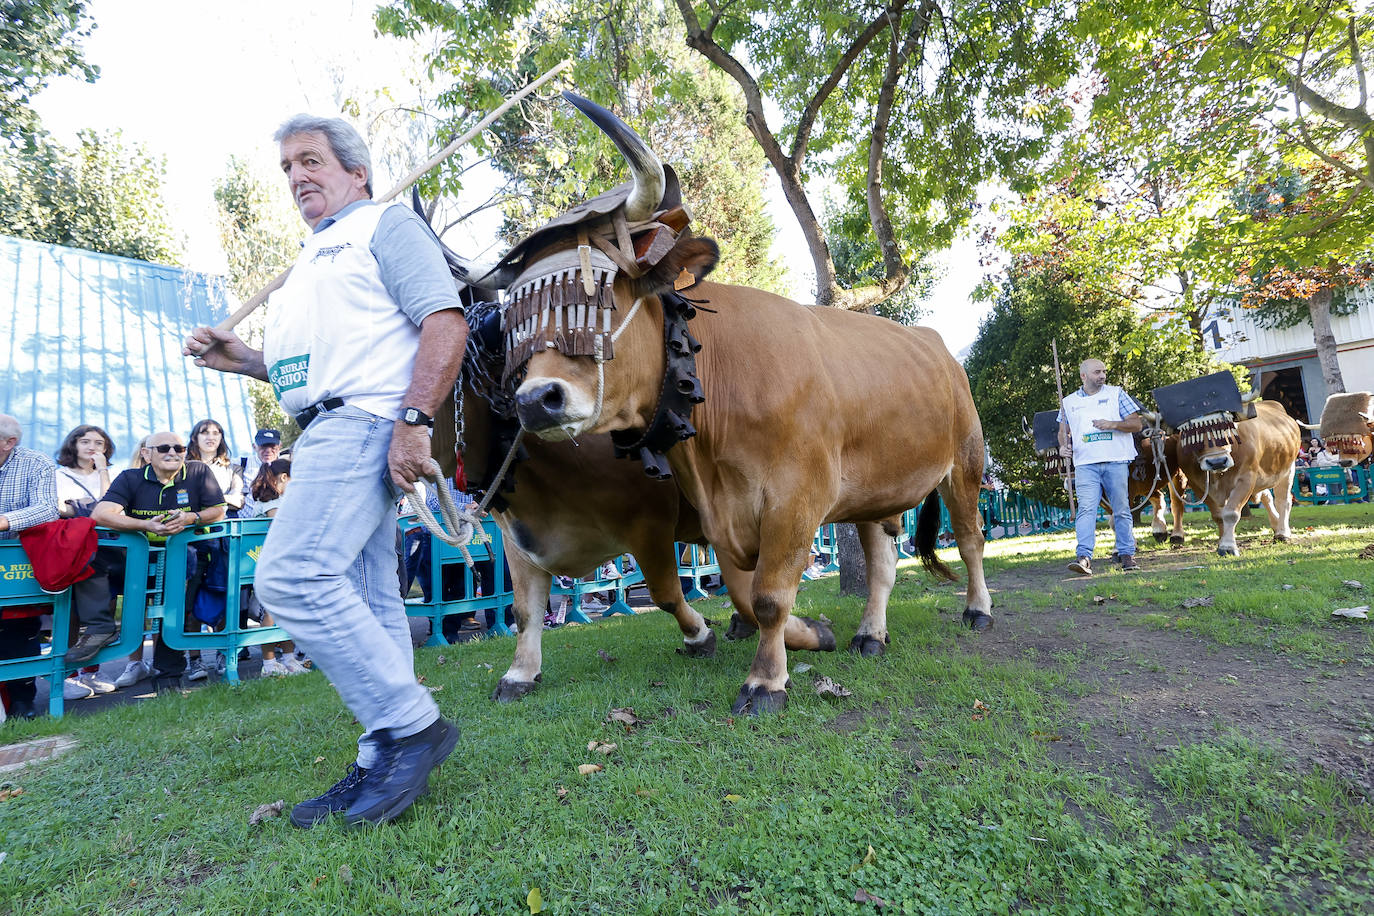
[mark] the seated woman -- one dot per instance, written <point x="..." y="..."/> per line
<point x="267" y="490"/>
<point x="83" y="476"/>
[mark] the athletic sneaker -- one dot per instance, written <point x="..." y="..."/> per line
<point x="221" y="664"/>
<point x="273" y="668"/>
<point x="133" y="673"/>
<point x="1128" y="563"/>
<point x="402" y="772"/>
<point x="93" y="680"/>
<point x="73" y="689"/>
<point x="196" y="671"/>
<point x="1083" y="566"/>
<point x="291" y="665"/>
<point x="335" y="800"/>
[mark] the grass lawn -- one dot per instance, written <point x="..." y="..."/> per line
<point x="941" y="785"/>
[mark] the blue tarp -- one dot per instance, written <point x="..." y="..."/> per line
<point x="95" y="338"/>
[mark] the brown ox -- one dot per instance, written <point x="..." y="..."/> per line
<point x="811" y="415"/>
<point x="1347" y="427"/>
<point x="1259" y="463"/>
<point x="573" y="507"/>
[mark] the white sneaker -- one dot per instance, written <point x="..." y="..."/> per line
<point x="292" y="666"/>
<point x="220" y="662"/>
<point x="196" y="671"/>
<point x="273" y="668"/>
<point x="73" y="689"/>
<point x="133" y="673"/>
<point x="97" y="683"/>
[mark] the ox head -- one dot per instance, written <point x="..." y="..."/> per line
<point x="1347" y="426"/>
<point x="584" y="322"/>
<point x="1204" y="412"/>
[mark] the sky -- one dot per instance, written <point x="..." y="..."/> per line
<point x="198" y="83"/>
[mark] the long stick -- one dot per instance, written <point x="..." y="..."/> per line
<point x="1059" y="387"/>
<point x="261" y="296"/>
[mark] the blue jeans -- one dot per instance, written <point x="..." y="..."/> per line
<point x="1093" y="482"/>
<point x="328" y="574"/>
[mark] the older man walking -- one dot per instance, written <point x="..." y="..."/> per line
<point x="1095" y="427"/>
<point x="362" y="343"/>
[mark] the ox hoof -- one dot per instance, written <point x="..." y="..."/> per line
<point x="1227" y="552"/>
<point x="1281" y="539"/>
<point x="757" y="701"/>
<point x="704" y="649"/>
<point x="739" y="628"/>
<point x="509" y="691"/>
<point x="977" y="621"/>
<point x="867" y="646"/>
<point x="825" y="637"/>
<point x="1175" y="541"/>
<point x="1160" y="536"/>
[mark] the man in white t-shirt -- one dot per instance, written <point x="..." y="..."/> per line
<point x="362" y="343"/>
<point x="1096" y="423"/>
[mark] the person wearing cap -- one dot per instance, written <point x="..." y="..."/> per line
<point x="362" y="343"/>
<point x="266" y="449"/>
<point x="1096" y="424"/>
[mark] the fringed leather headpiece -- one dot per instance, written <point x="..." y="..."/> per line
<point x="1214" y="430"/>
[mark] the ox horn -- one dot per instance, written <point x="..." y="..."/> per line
<point x="1309" y="425"/>
<point x="645" y="167"/>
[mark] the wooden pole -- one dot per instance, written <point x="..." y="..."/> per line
<point x="1059" y="387"/>
<point x="415" y="175"/>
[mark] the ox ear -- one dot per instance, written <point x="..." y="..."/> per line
<point x="697" y="255"/>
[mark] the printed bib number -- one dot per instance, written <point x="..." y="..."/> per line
<point x="1097" y="437"/>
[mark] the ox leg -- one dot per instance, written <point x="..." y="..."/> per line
<point x="779" y="572"/>
<point x="799" y="632"/>
<point x="1283" y="505"/>
<point x="960" y="492"/>
<point x="1230" y="516"/>
<point x="1176" y="508"/>
<point x="1157" y="526"/>
<point x="531" y="587"/>
<point x="665" y="589"/>
<point x="880" y="553"/>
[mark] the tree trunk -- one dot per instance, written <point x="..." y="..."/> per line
<point x="1320" y="307"/>
<point x="853" y="570"/>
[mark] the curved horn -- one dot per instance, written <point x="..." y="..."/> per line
<point x="644" y="165"/>
<point x="1316" y="426"/>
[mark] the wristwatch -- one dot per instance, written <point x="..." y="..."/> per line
<point x="413" y="416"/>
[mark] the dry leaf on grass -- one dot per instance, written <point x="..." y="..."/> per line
<point x="587" y="769"/>
<point x="318" y="760"/>
<point x="263" y="812"/>
<point x="734" y="798"/>
<point x="7" y="794"/>
<point x="863" y="896"/>
<point x="625" y="716"/>
<point x="1046" y="736"/>
<point x="801" y="668"/>
<point x="646" y="793"/>
<point x="1354" y="613"/>
<point x="345" y="874"/>
<point x="535" y="900"/>
<point x="317" y="880"/>
<point x="868" y="859"/>
<point x="440" y="660"/>
<point x="828" y="688"/>
<point x="605" y="656"/>
<point x="601" y="747"/>
<point x="561" y="792"/>
<point x="1205" y="601"/>
<point x="1353" y="583"/>
<point x="1099" y="599"/>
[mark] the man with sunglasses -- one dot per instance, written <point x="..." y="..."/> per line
<point x="167" y="496"/>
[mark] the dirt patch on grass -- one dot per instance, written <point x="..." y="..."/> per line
<point x="1139" y="691"/>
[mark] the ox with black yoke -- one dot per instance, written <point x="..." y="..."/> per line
<point x="1232" y="451"/>
<point x="773" y="418"/>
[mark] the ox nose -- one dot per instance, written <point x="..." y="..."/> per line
<point x="1217" y="464"/>
<point x="1347" y="462"/>
<point x="541" y="407"/>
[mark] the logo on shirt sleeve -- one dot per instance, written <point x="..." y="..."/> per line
<point x="289" y="373"/>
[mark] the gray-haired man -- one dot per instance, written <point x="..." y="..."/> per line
<point x="362" y="343"/>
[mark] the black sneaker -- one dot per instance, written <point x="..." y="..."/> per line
<point x="334" y="801"/>
<point x="87" y="646"/>
<point x="403" y="773"/>
<point x="1128" y="563"/>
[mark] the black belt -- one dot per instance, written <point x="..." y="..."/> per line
<point x="304" y="418"/>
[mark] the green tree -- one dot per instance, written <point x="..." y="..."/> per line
<point x="1011" y="370"/>
<point x="627" y="57"/>
<point x="101" y="195"/>
<point x="260" y="234"/>
<point x="39" y="40"/>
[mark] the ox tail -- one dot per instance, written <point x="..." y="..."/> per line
<point x="927" y="527"/>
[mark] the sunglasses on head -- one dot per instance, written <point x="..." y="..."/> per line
<point x="164" y="449"/>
